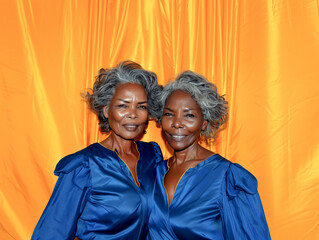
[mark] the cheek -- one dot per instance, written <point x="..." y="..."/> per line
<point x="115" y="117"/>
<point x="194" y="127"/>
<point x="144" y="116"/>
<point x="165" y="124"/>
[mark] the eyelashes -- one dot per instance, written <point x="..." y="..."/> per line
<point x="125" y="106"/>
<point x="187" y="116"/>
<point x="145" y="107"/>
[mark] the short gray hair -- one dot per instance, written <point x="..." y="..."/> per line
<point x="109" y="79"/>
<point x="213" y="105"/>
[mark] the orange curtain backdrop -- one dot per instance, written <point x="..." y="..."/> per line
<point x="264" y="55"/>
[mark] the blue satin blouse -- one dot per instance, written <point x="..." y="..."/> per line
<point x="96" y="197"/>
<point x="214" y="200"/>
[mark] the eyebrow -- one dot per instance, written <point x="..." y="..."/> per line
<point x="186" y="110"/>
<point x="126" y="101"/>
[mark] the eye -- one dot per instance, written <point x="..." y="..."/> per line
<point x="189" y="115"/>
<point x="167" y="114"/>
<point x="121" y="106"/>
<point x="143" y="107"/>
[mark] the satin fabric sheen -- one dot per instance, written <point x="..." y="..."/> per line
<point x="214" y="200"/>
<point x="96" y="197"/>
<point x="263" y="55"/>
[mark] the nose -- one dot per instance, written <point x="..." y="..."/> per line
<point x="132" y="113"/>
<point x="177" y="123"/>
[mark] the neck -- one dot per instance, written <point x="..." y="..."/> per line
<point x="190" y="153"/>
<point x="122" y="145"/>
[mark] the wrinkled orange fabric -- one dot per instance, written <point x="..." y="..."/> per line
<point x="263" y="55"/>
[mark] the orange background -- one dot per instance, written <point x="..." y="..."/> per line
<point x="264" y="55"/>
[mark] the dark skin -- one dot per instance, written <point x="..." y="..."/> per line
<point x="127" y="115"/>
<point x="182" y="123"/>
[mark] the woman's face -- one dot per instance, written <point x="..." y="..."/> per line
<point x="128" y="111"/>
<point x="182" y="120"/>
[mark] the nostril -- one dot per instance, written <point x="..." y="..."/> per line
<point x="177" y="124"/>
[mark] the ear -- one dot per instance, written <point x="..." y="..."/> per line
<point x="204" y="125"/>
<point x="105" y="112"/>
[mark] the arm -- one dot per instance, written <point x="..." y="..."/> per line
<point x="242" y="211"/>
<point x="67" y="201"/>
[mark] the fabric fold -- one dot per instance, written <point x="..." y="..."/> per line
<point x="239" y="179"/>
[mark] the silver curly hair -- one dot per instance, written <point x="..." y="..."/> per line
<point x="213" y="105"/>
<point x="109" y="79"/>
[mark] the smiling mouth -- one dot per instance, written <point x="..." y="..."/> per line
<point x="177" y="137"/>
<point x="131" y="127"/>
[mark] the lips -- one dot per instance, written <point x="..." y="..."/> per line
<point x="177" y="137"/>
<point x="131" y="127"/>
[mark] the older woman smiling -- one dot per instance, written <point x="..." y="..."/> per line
<point x="199" y="194"/>
<point x="104" y="190"/>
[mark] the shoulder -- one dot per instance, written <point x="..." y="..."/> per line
<point x="151" y="149"/>
<point x="74" y="161"/>
<point x="222" y="162"/>
<point x="217" y="164"/>
<point x="238" y="179"/>
<point x="147" y="145"/>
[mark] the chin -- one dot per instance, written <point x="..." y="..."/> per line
<point x="130" y="136"/>
<point x="178" y="146"/>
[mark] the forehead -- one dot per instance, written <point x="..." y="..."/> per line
<point x="130" y="90"/>
<point x="181" y="99"/>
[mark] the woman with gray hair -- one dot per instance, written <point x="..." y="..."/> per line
<point x="104" y="191"/>
<point x="198" y="194"/>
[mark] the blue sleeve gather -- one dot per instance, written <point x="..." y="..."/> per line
<point x="69" y="197"/>
<point x="158" y="152"/>
<point x="241" y="208"/>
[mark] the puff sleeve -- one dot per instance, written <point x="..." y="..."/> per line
<point x="241" y="208"/>
<point x="59" y="219"/>
<point x="158" y="152"/>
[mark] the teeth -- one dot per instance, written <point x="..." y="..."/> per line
<point x="178" y="136"/>
<point x="130" y="125"/>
